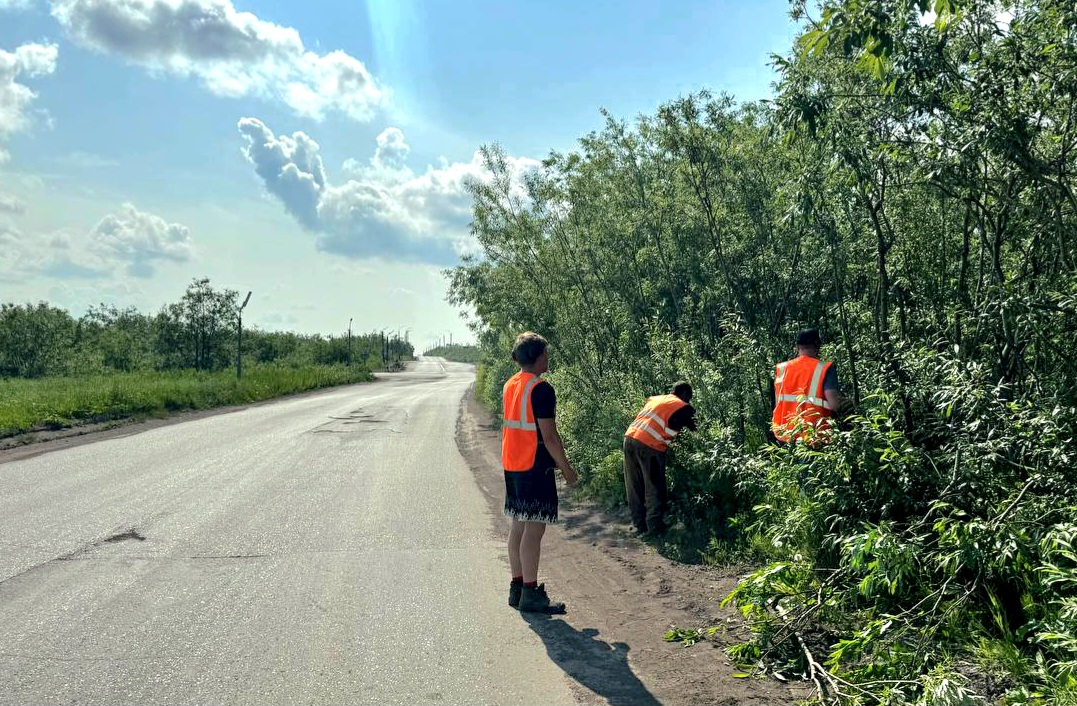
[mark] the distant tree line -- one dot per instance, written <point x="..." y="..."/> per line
<point x="457" y="353"/>
<point x="198" y="332"/>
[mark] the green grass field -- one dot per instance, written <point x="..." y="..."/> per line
<point x="54" y="403"/>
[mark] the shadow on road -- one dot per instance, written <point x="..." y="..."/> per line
<point x="596" y="664"/>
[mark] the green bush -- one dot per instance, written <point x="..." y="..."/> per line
<point x="910" y="191"/>
<point x="605" y="481"/>
<point x="891" y="547"/>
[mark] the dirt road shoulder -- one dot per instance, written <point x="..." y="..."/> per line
<point x="622" y="597"/>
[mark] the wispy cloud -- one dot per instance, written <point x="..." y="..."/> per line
<point x="11" y="204"/>
<point x="128" y="241"/>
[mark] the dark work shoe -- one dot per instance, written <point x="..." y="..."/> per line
<point x="515" y="588"/>
<point x="534" y="600"/>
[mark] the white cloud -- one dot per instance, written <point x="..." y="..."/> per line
<point x="10" y="242"/>
<point x="141" y="239"/>
<point x="233" y="53"/>
<point x="390" y="157"/>
<point x="15" y="4"/>
<point x="11" y="204"/>
<point x="392" y="152"/>
<point x="290" y="167"/>
<point x="128" y="239"/>
<point x="386" y="211"/>
<point x="27" y="258"/>
<point x="27" y="61"/>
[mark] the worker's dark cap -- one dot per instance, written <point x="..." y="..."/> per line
<point x="809" y="337"/>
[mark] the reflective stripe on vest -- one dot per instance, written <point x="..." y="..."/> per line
<point x="519" y="429"/>
<point x="817" y="401"/>
<point x="800" y="407"/>
<point x="525" y="405"/>
<point x="651" y="425"/>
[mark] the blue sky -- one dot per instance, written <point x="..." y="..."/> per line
<point x="125" y="169"/>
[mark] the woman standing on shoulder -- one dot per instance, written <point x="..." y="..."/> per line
<point x="531" y="450"/>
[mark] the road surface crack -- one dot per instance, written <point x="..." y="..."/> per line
<point x="124" y="536"/>
<point x="360" y="421"/>
<point x="80" y="552"/>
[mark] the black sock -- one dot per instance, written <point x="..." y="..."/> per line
<point x="517" y="579"/>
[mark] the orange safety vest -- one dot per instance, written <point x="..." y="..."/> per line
<point x="651" y="426"/>
<point x="519" y="431"/>
<point x="799" y="400"/>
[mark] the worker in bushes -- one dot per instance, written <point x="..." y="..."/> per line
<point x="806" y="395"/>
<point x="646" y="445"/>
<point x="531" y="451"/>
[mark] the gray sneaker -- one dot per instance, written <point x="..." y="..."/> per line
<point x="534" y="600"/>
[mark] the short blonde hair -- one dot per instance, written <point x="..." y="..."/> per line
<point x="528" y="348"/>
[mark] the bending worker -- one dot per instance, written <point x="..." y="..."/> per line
<point x="806" y="395"/>
<point x="645" y="445"/>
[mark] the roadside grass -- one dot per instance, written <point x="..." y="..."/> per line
<point x="60" y="402"/>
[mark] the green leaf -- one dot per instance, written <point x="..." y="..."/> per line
<point x="814" y="42"/>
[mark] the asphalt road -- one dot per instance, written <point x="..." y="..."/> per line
<point x="326" y="549"/>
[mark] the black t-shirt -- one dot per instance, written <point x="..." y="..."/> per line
<point x="544" y="406"/>
<point x="830" y="382"/>
<point x="683" y="418"/>
<point x="543" y="403"/>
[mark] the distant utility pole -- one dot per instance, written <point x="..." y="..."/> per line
<point x="239" y="339"/>
<point x="350" y="341"/>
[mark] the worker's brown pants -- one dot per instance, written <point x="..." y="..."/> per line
<point x="645" y="485"/>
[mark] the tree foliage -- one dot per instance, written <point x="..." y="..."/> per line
<point x="909" y="191"/>
<point x="456" y="353"/>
